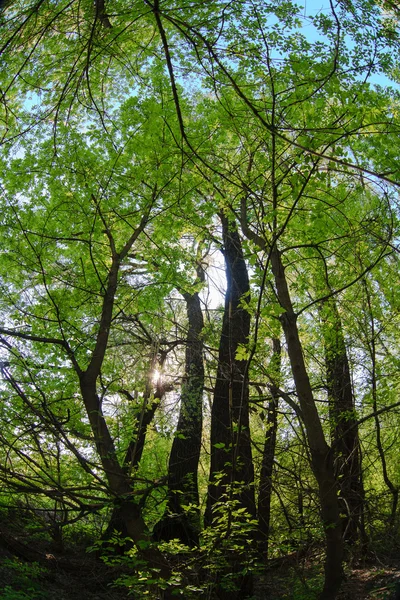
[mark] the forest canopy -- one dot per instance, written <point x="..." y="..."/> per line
<point x="199" y="297"/>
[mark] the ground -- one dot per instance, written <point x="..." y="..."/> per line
<point x="372" y="579"/>
<point x="373" y="582"/>
<point x="77" y="575"/>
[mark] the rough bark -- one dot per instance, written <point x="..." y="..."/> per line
<point x="231" y="458"/>
<point x="394" y="490"/>
<point x="321" y="454"/>
<point x="267" y="465"/>
<point x="119" y="481"/>
<point x="185" y="452"/>
<point x="230" y="435"/>
<point x="344" y="429"/>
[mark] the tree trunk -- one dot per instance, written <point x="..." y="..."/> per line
<point x="118" y="481"/>
<point x="133" y="456"/>
<point x="144" y="416"/>
<point x="230" y="435"/>
<point x="321" y="453"/>
<point x="344" y="430"/>
<point x="267" y="465"/>
<point x="393" y="489"/>
<point x="231" y="483"/>
<point x="185" y="452"/>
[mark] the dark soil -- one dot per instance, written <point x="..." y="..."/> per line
<point x="30" y="570"/>
<point x="72" y="575"/>
<point x="375" y="579"/>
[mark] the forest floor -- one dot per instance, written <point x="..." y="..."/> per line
<point x="373" y="580"/>
<point x="31" y="570"/>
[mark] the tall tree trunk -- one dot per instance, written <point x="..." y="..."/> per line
<point x="119" y="483"/>
<point x="231" y="468"/>
<point x="230" y="435"/>
<point x="321" y="453"/>
<point x="185" y="452"/>
<point x="267" y="465"/>
<point x="393" y="489"/>
<point x="344" y="430"/>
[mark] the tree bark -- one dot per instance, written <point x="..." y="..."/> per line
<point x="394" y="490"/>
<point x="321" y="454"/>
<point x="230" y="435"/>
<point x="231" y="468"/>
<point x="118" y="481"/>
<point x="344" y="430"/>
<point x="185" y="452"/>
<point x="267" y="465"/>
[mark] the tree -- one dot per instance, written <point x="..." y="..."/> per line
<point x="231" y="461"/>
<point x="78" y="283"/>
<point x="182" y="519"/>
<point x="268" y="456"/>
<point x="345" y="441"/>
<point x="129" y="129"/>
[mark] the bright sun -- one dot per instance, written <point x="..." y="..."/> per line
<point x="156" y="376"/>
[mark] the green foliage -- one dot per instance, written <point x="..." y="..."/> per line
<point x="225" y="558"/>
<point x="26" y="578"/>
<point x="305" y="586"/>
<point x="228" y="549"/>
<point x="120" y="147"/>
